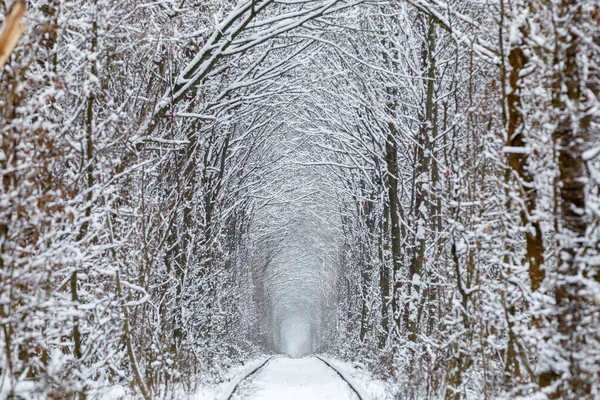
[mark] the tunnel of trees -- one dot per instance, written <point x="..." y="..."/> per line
<point x="412" y="184"/>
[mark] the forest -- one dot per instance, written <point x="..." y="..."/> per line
<point x="412" y="186"/>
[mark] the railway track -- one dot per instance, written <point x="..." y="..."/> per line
<point x="356" y="390"/>
<point x="229" y="396"/>
<point x="353" y="386"/>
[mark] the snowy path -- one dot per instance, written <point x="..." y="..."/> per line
<point x="295" y="379"/>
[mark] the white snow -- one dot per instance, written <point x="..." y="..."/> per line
<point x="224" y="389"/>
<point x="305" y="378"/>
<point x="368" y="387"/>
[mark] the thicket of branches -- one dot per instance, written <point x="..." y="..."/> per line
<point x="472" y="136"/>
<point x="436" y="163"/>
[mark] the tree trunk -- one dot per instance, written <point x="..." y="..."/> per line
<point x="519" y="163"/>
<point x="566" y="373"/>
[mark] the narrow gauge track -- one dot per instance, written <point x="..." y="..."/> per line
<point x="261" y="366"/>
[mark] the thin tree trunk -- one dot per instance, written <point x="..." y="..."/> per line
<point x="519" y="162"/>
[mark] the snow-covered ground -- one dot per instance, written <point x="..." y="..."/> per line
<point x="223" y="390"/>
<point x="281" y="378"/>
<point x="375" y="389"/>
<point x="204" y="391"/>
<point x="306" y="378"/>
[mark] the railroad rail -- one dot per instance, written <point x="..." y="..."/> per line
<point x="353" y="386"/>
<point x="229" y="393"/>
